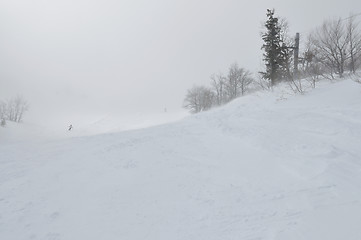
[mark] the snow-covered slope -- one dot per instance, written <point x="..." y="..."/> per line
<point x="263" y="167"/>
<point x="52" y="128"/>
<point x="121" y="122"/>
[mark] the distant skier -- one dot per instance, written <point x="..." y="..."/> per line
<point x="3" y="122"/>
<point x="70" y="127"/>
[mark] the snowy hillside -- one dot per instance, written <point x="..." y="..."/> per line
<point x="51" y="128"/>
<point x="266" y="166"/>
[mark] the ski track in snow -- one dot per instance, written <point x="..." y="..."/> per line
<point x="262" y="167"/>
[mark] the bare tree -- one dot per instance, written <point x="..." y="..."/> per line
<point x="223" y="89"/>
<point x="13" y="109"/>
<point x="354" y="44"/>
<point x="21" y="106"/>
<point x="198" y="99"/>
<point x="286" y="50"/>
<point x="3" y="110"/>
<point x="330" y="43"/>
<point x="310" y="68"/>
<point x="237" y="81"/>
<point x="218" y="83"/>
<point x="2" y="113"/>
<point x="263" y="83"/>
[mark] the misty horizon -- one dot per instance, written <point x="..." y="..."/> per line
<point x="98" y="57"/>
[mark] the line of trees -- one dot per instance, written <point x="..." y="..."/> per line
<point x="331" y="49"/>
<point x="334" y="48"/>
<point x="13" y="110"/>
<point x="223" y="89"/>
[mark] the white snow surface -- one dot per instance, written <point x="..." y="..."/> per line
<point x="266" y="166"/>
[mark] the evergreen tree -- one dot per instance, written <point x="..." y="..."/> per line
<point x="275" y="49"/>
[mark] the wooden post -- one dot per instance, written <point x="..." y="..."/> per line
<point x="295" y="52"/>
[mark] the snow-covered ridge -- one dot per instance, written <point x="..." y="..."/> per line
<point x="265" y="166"/>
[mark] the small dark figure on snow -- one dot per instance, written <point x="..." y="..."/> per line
<point x="70" y="127"/>
<point x="3" y="122"/>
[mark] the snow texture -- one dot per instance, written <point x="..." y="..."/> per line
<point x="266" y="166"/>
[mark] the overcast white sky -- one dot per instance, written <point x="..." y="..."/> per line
<point x="101" y="56"/>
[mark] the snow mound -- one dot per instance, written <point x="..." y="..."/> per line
<point x="262" y="167"/>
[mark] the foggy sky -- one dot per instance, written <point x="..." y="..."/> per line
<point x="98" y="56"/>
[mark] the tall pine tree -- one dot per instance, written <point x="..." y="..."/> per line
<point x="274" y="47"/>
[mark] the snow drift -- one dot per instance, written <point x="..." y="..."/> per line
<point x="266" y="166"/>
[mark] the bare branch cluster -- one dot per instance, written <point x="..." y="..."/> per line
<point x="333" y="49"/>
<point x="13" y="109"/>
<point x="224" y="88"/>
